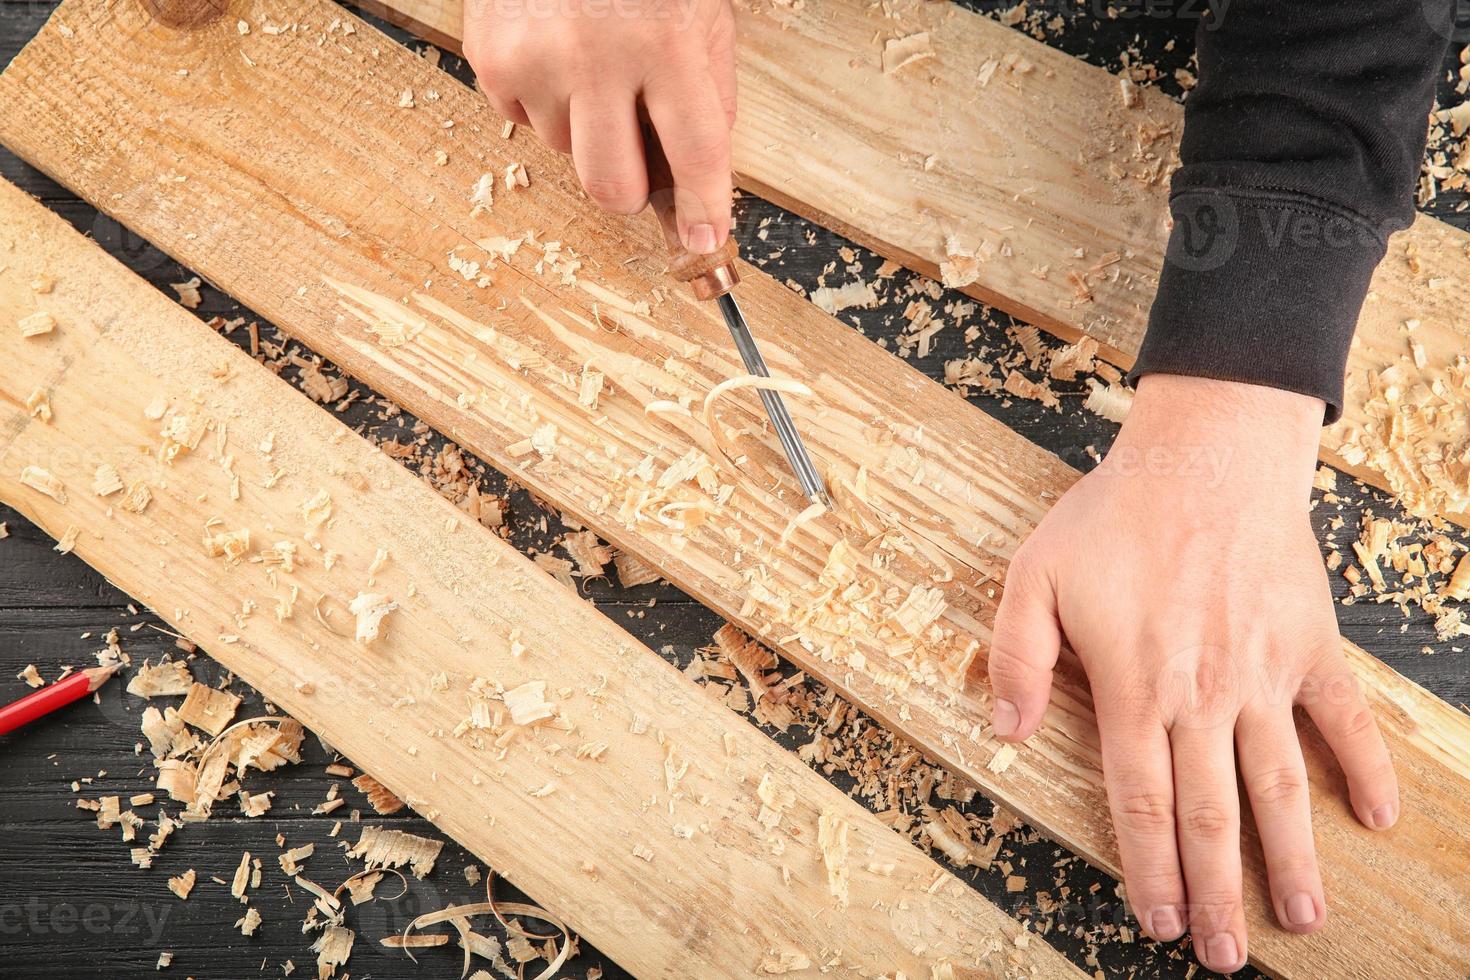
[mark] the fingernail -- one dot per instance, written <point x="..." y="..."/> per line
<point x="1221" y="952"/>
<point x="1384" y="816"/>
<point x="1301" y="910"/>
<point x="1167" y="925"/>
<point x="701" y="239"/>
<point x="1006" y="719"/>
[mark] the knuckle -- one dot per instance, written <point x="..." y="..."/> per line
<point x="1277" y="787"/>
<point x="1153" y="886"/>
<point x="1358" y="723"/>
<point x="1206" y="821"/>
<point x="1010" y="669"/>
<point x="1292" y="866"/>
<point x="618" y="194"/>
<point x="704" y="154"/>
<point x="1144" y="812"/>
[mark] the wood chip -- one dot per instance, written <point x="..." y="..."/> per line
<point x="208" y="708"/>
<point x="379" y="848"/>
<point x="370" y="610"/>
<point x="379" y="798"/>
<point x="183" y="884"/>
<point x="166" y="678"/>
<point x="37" y="324"/>
<point x="42" y="481"/>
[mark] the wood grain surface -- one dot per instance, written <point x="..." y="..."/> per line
<point x="998" y="146"/>
<point x="645" y="844"/>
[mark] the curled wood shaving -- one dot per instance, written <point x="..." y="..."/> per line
<point x="486" y="908"/>
<point x="781" y="385"/>
<point x="31" y="676"/>
<point x="372" y="876"/>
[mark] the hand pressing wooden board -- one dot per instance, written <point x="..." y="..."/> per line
<point x="300" y="183"/>
<point x="635" y="812"/>
<point x="1039" y="184"/>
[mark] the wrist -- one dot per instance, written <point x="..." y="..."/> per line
<point x="1191" y="426"/>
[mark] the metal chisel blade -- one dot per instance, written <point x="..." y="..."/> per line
<point x="796" y="452"/>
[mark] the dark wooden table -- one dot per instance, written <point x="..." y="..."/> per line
<point x="71" y="903"/>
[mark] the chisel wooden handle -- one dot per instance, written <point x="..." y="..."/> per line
<point x="711" y="275"/>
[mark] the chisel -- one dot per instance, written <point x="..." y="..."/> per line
<point x="713" y="277"/>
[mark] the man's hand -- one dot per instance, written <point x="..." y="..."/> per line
<point x="577" y="70"/>
<point x="1184" y="573"/>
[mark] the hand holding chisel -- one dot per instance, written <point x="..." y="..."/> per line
<point x="713" y="276"/>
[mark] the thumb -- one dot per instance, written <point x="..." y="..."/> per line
<point x="1023" y="650"/>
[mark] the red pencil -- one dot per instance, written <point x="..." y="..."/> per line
<point x="47" y="699"/>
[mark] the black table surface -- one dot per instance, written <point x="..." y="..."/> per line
<point x="71" y="902"/>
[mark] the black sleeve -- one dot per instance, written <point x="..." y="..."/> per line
<point x="1301" y="152"/>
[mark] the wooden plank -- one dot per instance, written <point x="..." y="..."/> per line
<point x="650" y="845"/>
<point x="298" y="166"/>
<point x="1002" y="144"/>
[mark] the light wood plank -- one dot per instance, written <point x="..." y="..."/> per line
<point x="1044" y="167"/>
<point x="678" y="773"/>
<point x="300" y="166"/>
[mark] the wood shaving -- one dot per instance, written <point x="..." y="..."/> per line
<point x="208" y="708"/>
<point x="833" y="300"/>
<point x="634" y="571"/>
<point x="248" y="923"/>
<point x="370" y="610"/>
<point x="901" y="51"/>
<point x="832" y="831"/>
<point x="183" y="884"/>
<point x="38" y="405"/>
<point x="188" y="293"/>
<point x="43" y="482"/>
<point x="68" y="540"/>
<point x="106" y="480"/>
<point x="38" y="324"/>
<point x="379" y="798"/>
<point x="482" y="195"/>
<point x="528" y="704"/>
<point x="379" y="848"/>
<point x="1111" y="401"/>
<point x="31" y="676"/>
<point x="333" y="947"/>
<point x="166" y="678"/>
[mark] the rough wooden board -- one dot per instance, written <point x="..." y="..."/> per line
<point x="714" y="902"/>
<point x="298" y="165"/>
<point x="1043" y="165"/>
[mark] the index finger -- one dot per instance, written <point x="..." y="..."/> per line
<point x="685" y="109"/>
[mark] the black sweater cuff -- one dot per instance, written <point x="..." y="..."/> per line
<point x="1261" y="287"/>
